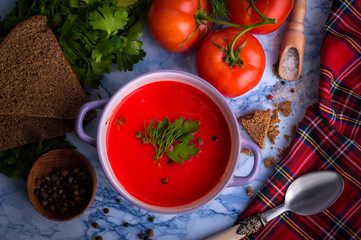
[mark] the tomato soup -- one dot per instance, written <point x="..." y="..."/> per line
<point x="132" y="161"/>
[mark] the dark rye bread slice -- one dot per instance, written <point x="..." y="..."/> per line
<point x="256" y="124"/>
<point x="20" y="130"/>
<point x="35" y="77"/>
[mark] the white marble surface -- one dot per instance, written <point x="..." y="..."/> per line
<point x="19" y="220"/>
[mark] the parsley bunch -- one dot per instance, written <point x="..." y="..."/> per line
<point x="97" y="35"/>
<point x="93" y="34"/>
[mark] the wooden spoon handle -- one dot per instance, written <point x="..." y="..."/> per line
<point x="298" y="15"/>
<point x="299" y="11"/>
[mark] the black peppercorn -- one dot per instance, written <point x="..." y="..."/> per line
<point x="150" y="232"/>
<point x="37" y="192"/>
<point x="95" y="225"/>
<point x="98" y="238"/>
<point x="105" y="210"/>
<point x="144" y="140"/>
<point x="54" y="177"/>
<point x="75" y="186"/>
<point x="139" y="134"/>
<point x="52" y="208"/>
<point x="44" y="203"/>
<point x="151" y="219"/>
<point x="54" y="194"/>
<point x="126" y="224"/>
<point x="37" y="182"/>
<point x="63" y="210"/>
<point x="141" y="235"/>
<point x="117" y="200"/>
<point x="64" y="172"/>
<point x="82" y="191"/>
<point x="164" y="180"/>
<point x="62" y="190"/>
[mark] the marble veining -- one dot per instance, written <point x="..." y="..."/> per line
<point x="19" y="220"/>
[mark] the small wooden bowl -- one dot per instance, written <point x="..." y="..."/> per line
<point x="57" y="159"/>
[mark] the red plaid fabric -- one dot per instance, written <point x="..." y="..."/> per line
<point x="328" y="138"/>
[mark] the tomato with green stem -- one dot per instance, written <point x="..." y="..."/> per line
<point x="242" y="13"/>
<point x="232" y="67"/>
<point x="174" y="26"/>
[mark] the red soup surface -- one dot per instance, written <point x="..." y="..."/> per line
<point x="132" y="161"/>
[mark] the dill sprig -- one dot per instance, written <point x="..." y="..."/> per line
<point x="219" y="9"/>
<point x="161" y="135"/>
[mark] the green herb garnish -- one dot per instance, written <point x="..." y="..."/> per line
<point x="17" y="162"/>
<point x="119" y="121"/>
<point x="164" y="134"/>
<point x="275" y="69"/>
<point x="219" y="9"/>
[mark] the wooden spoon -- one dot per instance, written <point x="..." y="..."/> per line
<point x="293" y="44"/>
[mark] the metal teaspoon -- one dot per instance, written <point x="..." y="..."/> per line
<point x="307" y="195"/>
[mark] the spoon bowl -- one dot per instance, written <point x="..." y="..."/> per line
<point x="314" y="192"/>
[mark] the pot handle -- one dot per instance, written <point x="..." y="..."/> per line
<point x="244" y="180"/>
<point x="80" y="119"/>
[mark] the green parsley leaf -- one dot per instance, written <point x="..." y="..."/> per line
<point x="108" y="18"/>
<point x="181" y="151"/>
<point x="126" y="61"/>
<point x="190" y="126"/>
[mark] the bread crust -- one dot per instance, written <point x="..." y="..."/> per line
<point x="40" y="95"/>
<point x="36" y="79"/>
<point x="256" y="124"/>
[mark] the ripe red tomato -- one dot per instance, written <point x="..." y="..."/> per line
<point x="172" y="21"/>
<point x="211" y="65"/>
<point x="277" y="9"/>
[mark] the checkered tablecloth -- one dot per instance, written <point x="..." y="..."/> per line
<point x="328" y="138"/>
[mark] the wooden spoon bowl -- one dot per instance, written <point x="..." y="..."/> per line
<point x="61" y="159"/>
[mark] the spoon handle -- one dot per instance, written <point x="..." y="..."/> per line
<point x="246" y="227"/>
<point x="298" y="15"/>
<point x="274" y="212"/>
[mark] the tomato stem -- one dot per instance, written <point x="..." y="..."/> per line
<point x="265" y="20"/>
<point x="202" y="16"/>
<point x="232" y="56"/>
